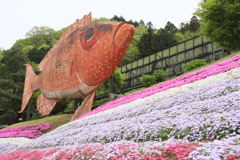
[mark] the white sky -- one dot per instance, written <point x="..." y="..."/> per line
<point x="19" y="16"/>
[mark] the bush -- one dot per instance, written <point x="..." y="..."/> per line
<point x="118" y="79"/>
<point x="147" y="80"/>
<point x="160" y="75"/>
<point x="194" y="64"/>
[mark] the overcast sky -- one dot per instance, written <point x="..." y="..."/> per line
<point x="19" y="16"/>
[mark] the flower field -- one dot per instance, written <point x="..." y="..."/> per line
<point x="30" y="131"/>
<point x="195" y="116"/>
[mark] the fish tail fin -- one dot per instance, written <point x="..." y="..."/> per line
<point x="28" y="91"/>
<point x="45" y="105"/>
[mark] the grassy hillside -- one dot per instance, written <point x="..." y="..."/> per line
<point x="55" y="121"/>
<point x="194" y="116"/>
<point x="59" y="120"/>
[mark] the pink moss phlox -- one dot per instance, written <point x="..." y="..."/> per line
<point x="179" y="151"/>
<point x="114" y="152"/>
<point x="233" y="157"/>
<point x="29" y="131"/>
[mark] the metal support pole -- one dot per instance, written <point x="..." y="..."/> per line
<point x="77" y="103"/>
<point x="213" y="53"/>
<point x="28" y="111"/>
<point x="111" y="94"/>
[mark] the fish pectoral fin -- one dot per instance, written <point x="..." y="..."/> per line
<point x="45" y="105"/>
<point x="85" y="107"/>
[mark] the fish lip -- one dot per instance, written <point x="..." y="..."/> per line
<point x="122" y="37"/>
<point x="123" y="27"/>
<point x="117" y="29"/>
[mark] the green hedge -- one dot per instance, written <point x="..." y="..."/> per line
<point x="158" y="76"/>
<point x="194" y="64"/>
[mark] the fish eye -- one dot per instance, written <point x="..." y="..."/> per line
<point x="89" y="37"/>
<point x="89" y="34"/>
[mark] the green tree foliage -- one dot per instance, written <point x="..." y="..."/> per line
<point x="146" y="42"/>
<point x="12" y="76"/>
<point x="40" y="40"/>
<point x="147" y="80"/>
<point x="160" y="75"/>
<point x="141" y="22"/>
<point x="102" y="19"/>
<point x="1" y="53"/>
<point x="180" y="37"/>
<point x="118" y="81"/>
<point x="121" y="19"/>
<point x="194" y="64"/>
<point x="170" y="27"/>
<point x="152" y="41"/>
<point x="194" y="24"/>
<point x="164" y="39"/>
<point x="12" y="70"/>
<point x="188" y="30"/>
<point x="220" y="21"/>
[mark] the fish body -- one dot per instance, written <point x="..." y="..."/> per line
<point x="85" y="56"/>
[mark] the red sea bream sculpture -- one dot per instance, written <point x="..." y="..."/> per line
<point x="83" y="58"/>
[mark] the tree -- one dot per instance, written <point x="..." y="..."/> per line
<point x="182" y="27"/>
<point x="121" y="19"/>
<point x="115" y="18"/>
<point x="40" y="40"/>
<point x="1" y="53"/>
<point x="170" y="27"/>
<point x="180" y="37"/>
<point x="141" y="22"/>
<point x="12" y="74"/>
<point x="164" y="39"/>
<point x="145" y="42"/>
<point x="220" y="21"/>
<point x="36" y="53"/>
<point x="194" y="24"/>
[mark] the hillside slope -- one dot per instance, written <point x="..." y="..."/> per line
<point x="194" y="116"/>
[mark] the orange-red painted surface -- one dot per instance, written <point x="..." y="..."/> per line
<point x="84" y="57"/>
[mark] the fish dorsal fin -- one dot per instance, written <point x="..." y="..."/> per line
<point x="87" y="19"/>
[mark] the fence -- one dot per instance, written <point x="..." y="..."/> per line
<point x="172" y="60"/>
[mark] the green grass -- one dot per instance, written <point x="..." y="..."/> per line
<point x="55" y="121"/>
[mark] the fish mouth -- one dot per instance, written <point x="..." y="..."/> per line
<point x="121" y="39"/>
<point x="123" y="33"/>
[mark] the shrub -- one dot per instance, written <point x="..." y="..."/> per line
<point x="160" y="75"/>
<point x="118" y="79"/>
<point x="194" y="64"/>
<point x="147" y="80"/>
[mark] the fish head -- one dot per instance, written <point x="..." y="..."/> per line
<point x="100" y="47"/>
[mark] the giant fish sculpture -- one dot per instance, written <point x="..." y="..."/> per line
<point x="83" y="58"/>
